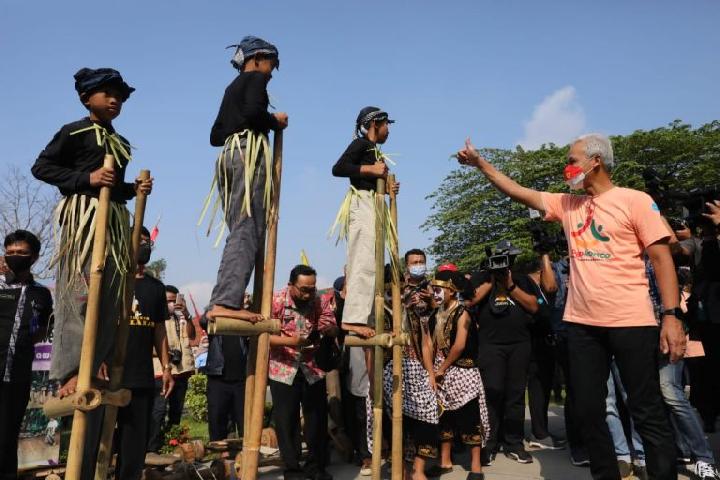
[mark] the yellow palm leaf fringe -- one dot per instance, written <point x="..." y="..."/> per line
<point x="221" y="189"/>
<point x="74" y="232"/>
<point x="110" y="141"/>
<point x="304" y="258"/>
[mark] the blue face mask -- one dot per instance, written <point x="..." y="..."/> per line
<point x="417" y="271"/>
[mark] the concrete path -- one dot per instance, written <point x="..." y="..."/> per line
<point x="547" y="464"/>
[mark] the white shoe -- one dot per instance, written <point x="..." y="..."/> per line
<point x="706" y="471"/>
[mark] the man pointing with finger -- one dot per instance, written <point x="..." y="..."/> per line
<point x="608" y="309"/>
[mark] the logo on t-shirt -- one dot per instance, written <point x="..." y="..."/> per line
<point x="138" y="319"/>
<point x="588" y="239"/>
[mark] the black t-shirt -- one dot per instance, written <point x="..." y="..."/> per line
<point x="360" y="152"/>
<point x="244" y="106"/>
<point x="16" y="341"/>
<point x="68" y="160"/>
<point x="234" y="358"/>
<point x="149" y="310"/>
<point x="501" y="319"/>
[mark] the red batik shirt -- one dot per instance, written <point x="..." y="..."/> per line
<point x="285" y="361"/>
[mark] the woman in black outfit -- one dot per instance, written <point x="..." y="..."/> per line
<point x="504" y="309"/>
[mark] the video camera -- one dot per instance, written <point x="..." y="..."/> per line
<point x="543" y="240"/>
<point x="691" y="203"/>
<point x="503" y="256"/>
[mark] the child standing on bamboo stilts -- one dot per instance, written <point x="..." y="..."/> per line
<point x="243" y="173"/>
<point x="363" y="163"/>
<point x="73" y="162"/>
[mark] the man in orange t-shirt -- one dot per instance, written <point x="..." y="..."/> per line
<point x="608" y="309"/>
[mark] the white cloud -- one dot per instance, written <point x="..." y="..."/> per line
<point x="559" y="118"/>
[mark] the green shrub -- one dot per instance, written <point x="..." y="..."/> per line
<point x="196" y="397"/>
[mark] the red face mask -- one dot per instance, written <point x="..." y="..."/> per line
<point x="571" y="171"/>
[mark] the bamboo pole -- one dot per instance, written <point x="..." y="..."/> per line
<point x="252" y="450"/>
<point x="87" y="352"/>
<point x="379" y="326"/>
<point x="233" y="326"/>
<point x="116" y="372"/>
<point x="252" y="351"/>
<point x="397" y="392"/>
<point x="384" y="340"/>
<point x="88" y="400"/>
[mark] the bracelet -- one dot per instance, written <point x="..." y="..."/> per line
<point x="167" y="368"/>
<point x="511" y="288"/>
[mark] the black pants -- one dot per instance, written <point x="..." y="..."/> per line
<point x="541" y="372"/>
<point x="355" y="416"/>
<point x="131" y="435"/>
<point x="286" y="413"/>
<point x="13" y="401"/>
<point x="504" y="373"/>
<point x="226" y="403"/>
<point x="572" y="430"/>
<point x="172" y="407"/>
<point x="705" y="389"/>
<point x="636" y="353"/>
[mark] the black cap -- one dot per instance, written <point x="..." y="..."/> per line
<point x="369" y="114"/>
<point x="88" y="80"/>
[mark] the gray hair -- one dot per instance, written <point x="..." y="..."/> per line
<point x="598" y="144"/>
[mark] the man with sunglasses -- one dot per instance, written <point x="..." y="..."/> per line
<point x="294" y="377"/>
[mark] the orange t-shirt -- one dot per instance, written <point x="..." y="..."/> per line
<point x="607" y="235"/>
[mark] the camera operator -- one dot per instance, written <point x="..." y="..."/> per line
<point x="544" y="355"/>
<point x="180" y="332"/>
<point x="504" y="314"/>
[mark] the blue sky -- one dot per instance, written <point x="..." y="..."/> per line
<point x="502" y="72"/>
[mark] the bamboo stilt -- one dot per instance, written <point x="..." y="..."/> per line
<point x="116" y="372"/>
<point x="379" y="327"/>
<point x="252" y="351"/>
<point x="87" y="353"/>
<point x="87" y="400"/>
<point x="384" y="340"/>
<point x="397" y="393"/>
<point x="252" y="450"/>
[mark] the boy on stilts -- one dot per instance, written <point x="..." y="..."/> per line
<point x="363" y="163"/>
<point x="73" y="162"/>
<point x="243" y="174"/>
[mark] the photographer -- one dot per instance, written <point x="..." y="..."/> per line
<point x="180" y="332"/>
<point x="507" y="303"/>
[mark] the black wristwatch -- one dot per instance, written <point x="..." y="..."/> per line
<point x="675" y="312"/>
<point x="510" y="289"/>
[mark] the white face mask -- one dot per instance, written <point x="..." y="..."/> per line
<point x="576" y="183"/>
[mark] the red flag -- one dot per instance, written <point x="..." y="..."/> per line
<point x="155" y="232"/>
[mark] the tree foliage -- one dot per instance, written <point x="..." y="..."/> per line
<point x="469" y="214"/>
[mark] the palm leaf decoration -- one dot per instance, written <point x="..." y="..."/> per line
<point x="112" y="143"/>
<point x="221" y="189"/>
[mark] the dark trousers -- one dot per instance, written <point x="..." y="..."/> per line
<point x="541" y="372"/>
<point x="13" y="401"/>
<point x="131" y="435"/>
<point x="226" y="403"/>
<point x="572" y="430"/>
<point x="705" y="380"/>
<point x="172" y="407"/>
<point x="636" y="353"/>
<point x="286" y="413"/>
<point x="504" y="373"/>
<point x="355" y="416"/>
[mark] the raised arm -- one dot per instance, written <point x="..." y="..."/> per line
<point x="527" y="196"/>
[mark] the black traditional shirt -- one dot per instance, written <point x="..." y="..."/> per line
<point x="70" y="157"/>
<point x="24" y="311"/>
<point x="360" y="152"/>
<point x="244" y="107"/>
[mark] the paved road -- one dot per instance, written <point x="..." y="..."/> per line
<point x="554" y="465"/>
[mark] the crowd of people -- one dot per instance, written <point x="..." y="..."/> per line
<point x="615" y="313"/>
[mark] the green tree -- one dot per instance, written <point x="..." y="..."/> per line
<point x="157" y="268"/>
<point x="469" y="214"/>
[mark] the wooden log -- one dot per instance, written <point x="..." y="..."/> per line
<point x="117" y="368"/>
<point x="233" y="326"/>
<point x="87" y="352"/>
<point x="377" y="388"/>
<point x="399" y="340"/>
<point x="85" y="401"/>
<point x="250" y="461"/>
